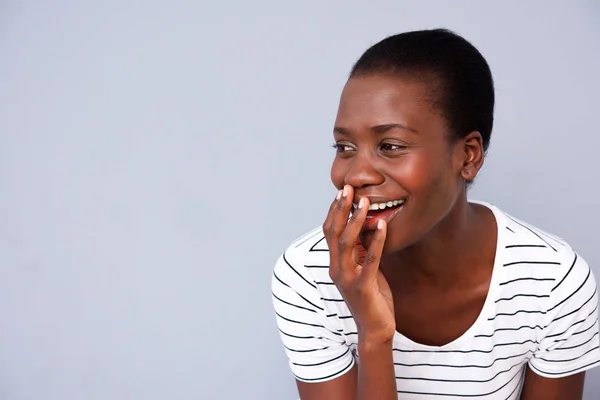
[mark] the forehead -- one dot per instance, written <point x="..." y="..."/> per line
<point x="381" y="99"/>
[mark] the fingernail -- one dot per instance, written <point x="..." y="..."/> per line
<point x="361" y="203"/>
<point x="339" y="194"/>
<point x="380" y="224"/>
<point x="345" y="192"/>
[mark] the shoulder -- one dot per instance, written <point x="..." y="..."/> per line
<point x="527" y="244"/>
<point x="309" y="250"/>
<point x="310" y="242"/>
<point x="304" y="263"/>
<point x="530" y="254"/>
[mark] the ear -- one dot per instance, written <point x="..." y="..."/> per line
<point x="473" y="155"/>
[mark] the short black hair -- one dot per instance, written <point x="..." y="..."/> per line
<point x="464" y="90"/>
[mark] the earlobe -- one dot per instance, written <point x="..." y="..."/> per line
<point x="469" y="172"/>
<point x="473" y="156"/>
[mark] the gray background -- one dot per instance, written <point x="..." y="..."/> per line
<point x="156" y="157"/>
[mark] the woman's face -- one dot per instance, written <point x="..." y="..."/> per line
<point x="392" y="145"/>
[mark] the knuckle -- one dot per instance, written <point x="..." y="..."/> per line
<point x="343" y="242"/>
<point x="370" y="258"/>
<point x="333" y="274"/>
<point x="361" y="288"/>
<point x="333" y="204"/>
<point x="335" y="231"/>
<point x="343" y="285"/>
<point x="337" y="277"/>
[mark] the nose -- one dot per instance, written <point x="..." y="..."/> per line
<point x="363" y="172"/>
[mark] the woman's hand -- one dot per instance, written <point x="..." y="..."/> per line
<point x="355" y="271"/>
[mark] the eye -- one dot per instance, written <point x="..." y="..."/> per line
<point x="392" y="147"/>
<point x="342" y="148"/>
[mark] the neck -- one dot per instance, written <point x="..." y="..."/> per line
<point x="446" y="255"/>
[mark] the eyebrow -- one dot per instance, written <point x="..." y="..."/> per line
<point x="380" y="129"/>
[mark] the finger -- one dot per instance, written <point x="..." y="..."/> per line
<point x="374" y="252"/>
<point x="333" y="264"/>
<point x="347" y="244"/>
<point x="339" y="218"/>
<point x="332" y="206"/>
<point x="340" y="214"/>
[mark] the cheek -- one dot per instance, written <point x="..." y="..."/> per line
<point x="416" y="174"/>
<point x="338" y="174"/>
<point x="427" y="178"/>
<point x="439" y="190"/>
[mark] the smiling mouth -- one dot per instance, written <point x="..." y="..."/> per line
<point x="379" y="209"/>
<point x="386" y="211"/>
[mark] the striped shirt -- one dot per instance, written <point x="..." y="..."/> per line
<point x="541" y="310"/>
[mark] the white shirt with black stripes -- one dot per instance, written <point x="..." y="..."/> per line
<point x="541" y="311"/>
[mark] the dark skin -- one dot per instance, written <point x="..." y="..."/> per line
<point x="426" y="272"/>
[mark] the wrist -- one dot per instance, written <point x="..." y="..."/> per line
<point x="370" y="339"/>
<point x="374" y="345"/>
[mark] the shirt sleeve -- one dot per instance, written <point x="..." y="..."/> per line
<point x="315" y="348"/>
<point x="569" y="343"/>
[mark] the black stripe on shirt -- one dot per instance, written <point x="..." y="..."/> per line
<point x="464" y="366"/>
<point x="414" y="378"/>
<point x="575" y="292"/>
<point x="518" y="385"/>
<point x="303" y="298"/>
<point x="539" y="296"/>
<point x="567" y="274"/>
<point x="301" y="337"/>
<point x="292" y="304"/>
<point x="306" y="324"/>
<point x="574" y="311"/>
<point x="532" y="262"/>
<point x="305" y="351"/>
<point x="508" y="329"/>
<point x="297" y="273"/>
<point x="578" y="345"/>
<point x="515" y="313"/>
<point x="532" y="231"/>
<point x="583" y="367"/>
<point x="316" y="243"/>
<point x="339" y="316"/>
<point x="467" y="351"/>
<point x="336" y="300"/>
<point x="460" y="394"/>
<point x="512" y="246"/>
<point x="342" y="371"/>
<point x="569" y="359"/>
<point x="323" y="362"/>
<point x="527" y="279"/>
<point x="593" y="325"/>
<point x="573" y="324"/>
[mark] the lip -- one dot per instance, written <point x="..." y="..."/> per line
<point x="387" y="215"/>
<point x="376" y="199"/>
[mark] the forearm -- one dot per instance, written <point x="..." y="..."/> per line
<point x="376" y="374"/>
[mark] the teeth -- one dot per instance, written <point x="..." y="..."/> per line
<point x="382" y="206"/>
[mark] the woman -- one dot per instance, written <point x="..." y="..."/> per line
<point x="409" y="290"/>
